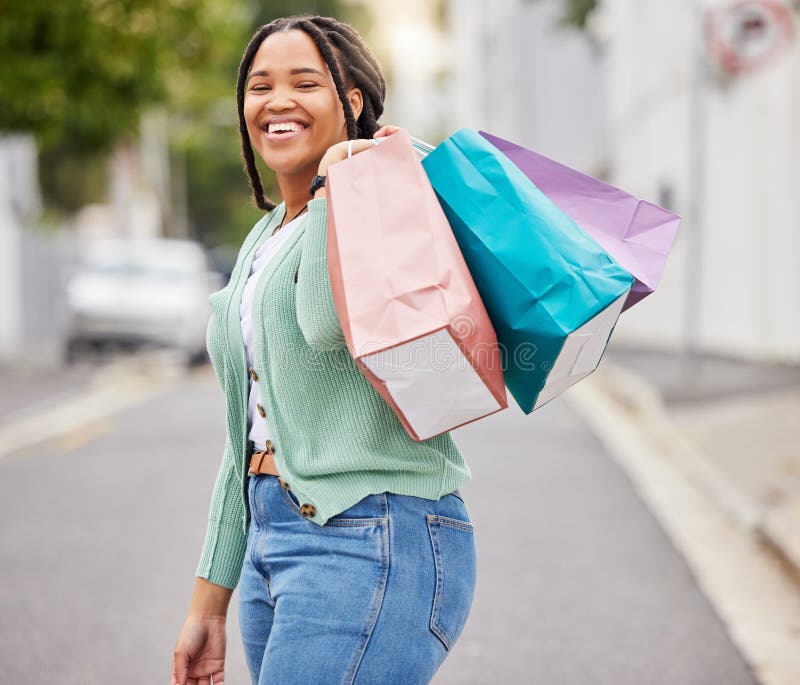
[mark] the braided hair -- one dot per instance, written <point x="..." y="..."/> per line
<point x="351" y="64"/>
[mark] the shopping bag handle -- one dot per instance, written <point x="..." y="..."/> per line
<point x="423" y="148"/>
<point x="422" y="144"/>
<point x="350" y="146"/>
<point x="418" y="144"/>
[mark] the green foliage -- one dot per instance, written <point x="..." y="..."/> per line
<point x="220" y="206"/>
<point x="79" y="73"/>
<point x="71" y="177"/>
<point x="267" y="10"/>
<point x="577" y="11"/>
<point x="81" y="70"/>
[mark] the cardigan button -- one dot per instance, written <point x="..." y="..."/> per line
<point x="261" y="411"/>
<point x="253" y="374"/>
<point x="283" y="483"/>
<point x="308" y="510"/>
<point x="269" y="447"/>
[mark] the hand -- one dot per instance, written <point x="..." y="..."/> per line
<point x="200" y="652"/>
<point x="385" y="131"/>
<point x="338" y="152"/>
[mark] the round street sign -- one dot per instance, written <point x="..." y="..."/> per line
<point x="746" y="35"/>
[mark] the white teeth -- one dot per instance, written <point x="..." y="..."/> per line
<point x="287" y="126"/>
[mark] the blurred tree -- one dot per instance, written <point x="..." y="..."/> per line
<point x="577" y="11"/>
<point x="267" y="10"/>
<point x="79" y="73"/>
<point x="81" y="70"/>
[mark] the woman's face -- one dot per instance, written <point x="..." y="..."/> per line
<point x="291" y="108"/>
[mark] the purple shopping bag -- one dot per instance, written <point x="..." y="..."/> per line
<point x="635" y="233"/>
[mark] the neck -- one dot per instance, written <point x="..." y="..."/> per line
<point x="294" y="191"/>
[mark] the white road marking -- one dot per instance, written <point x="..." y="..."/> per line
<point x="113" y="390"/>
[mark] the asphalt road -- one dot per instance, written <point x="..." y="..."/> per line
<point x="577" y="584"/>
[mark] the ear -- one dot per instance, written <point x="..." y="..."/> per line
<point x="356" y="100"/>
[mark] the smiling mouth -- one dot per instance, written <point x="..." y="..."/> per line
<point x="284" y="130"/>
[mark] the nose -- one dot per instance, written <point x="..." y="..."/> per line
<point x="280" y="99"/>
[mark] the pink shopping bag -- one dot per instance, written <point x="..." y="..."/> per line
<point x="409" y="309"/>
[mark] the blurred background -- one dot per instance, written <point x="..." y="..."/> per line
<point x="123" y="202"/>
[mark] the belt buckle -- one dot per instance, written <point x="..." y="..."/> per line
<point x="260" y="456"/>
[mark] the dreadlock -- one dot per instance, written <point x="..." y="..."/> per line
<point x="351" y="64"/>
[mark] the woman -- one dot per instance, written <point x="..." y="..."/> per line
<point x="349" y="541"/>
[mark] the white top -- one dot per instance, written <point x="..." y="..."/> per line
<point x="260" y="430"/>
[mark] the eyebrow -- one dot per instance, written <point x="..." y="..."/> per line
<point x="293" y="72"/>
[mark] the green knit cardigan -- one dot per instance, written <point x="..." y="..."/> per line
<point x="336" y="439"/>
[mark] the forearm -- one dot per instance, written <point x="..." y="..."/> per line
<point x="210" y="599"/>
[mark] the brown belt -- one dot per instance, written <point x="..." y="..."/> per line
<point x="263" y="462"/>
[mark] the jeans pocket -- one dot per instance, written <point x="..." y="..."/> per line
<point x="453" y="544"/>
<point x="293" y="498"/>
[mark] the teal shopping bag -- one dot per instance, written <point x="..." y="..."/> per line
<point x="552" y="293"/>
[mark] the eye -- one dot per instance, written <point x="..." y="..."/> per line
<point x="307" y="85"/>
<point x="260" y="88"/>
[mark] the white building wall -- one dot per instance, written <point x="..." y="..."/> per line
<point x="517" y="74"/>
<point x="484" y="78"/>
<point x="748" y="291"/>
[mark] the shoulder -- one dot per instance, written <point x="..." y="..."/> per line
<point x="317" y="207"/>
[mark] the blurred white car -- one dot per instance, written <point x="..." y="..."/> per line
<point x="141" y="291"/>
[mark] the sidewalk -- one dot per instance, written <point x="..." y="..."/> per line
<point x="739" y="423"/>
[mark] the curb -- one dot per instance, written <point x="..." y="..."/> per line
<point x="111" y="391"/>
<point x="776" y="527"/>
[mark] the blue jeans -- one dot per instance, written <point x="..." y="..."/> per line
<point x="378" y="595"/>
